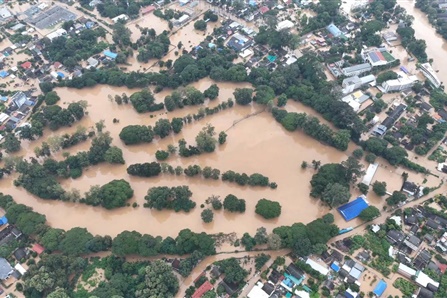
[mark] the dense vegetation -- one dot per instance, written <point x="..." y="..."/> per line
<point x="144" y="169"/>
<point x="143" y="101"/>
<point x="176" y="198"/>
<point x="112" y="195"/>
<point x="234" y="204"/>
<point x="268" y="209"/>
<point x="430" y="7"/>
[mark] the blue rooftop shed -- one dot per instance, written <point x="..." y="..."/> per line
<point x="60" y="74"/>
<point x="353" y="209"/>
<point x="380" y="288"/>
<point x="110" y="55"/>
<point x="4" y="74"/>
<point x="334" y="30"/>
<point x="335" y="266"/>
<point x="3" y="220"/>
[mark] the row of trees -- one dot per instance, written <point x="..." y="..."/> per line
<point x="312" y="127"/>
<point x="177" y="198"/>
<point x="189" y="96"/>
<point x="136" y="134"/>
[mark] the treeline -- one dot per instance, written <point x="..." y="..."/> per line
<point x="154" y="169"/>
<point x="189" y="96"/>
<point x="176" y="198"/>
<point x="395" y="155"/>
<point x="41" y="179"/>
<point x="136" y="134"/>
<point x="79" y="241"/>
<point x="312" y="127"/>
<point x="54" y="117"/>
<point x="308" y="239"/>
<point x="412" y="44"/>
<point x="434" y="15"/>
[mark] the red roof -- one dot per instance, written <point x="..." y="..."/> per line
<point x="26" y="65"/>
<point x="147" y="9"/>
<point x="442" y="267"/>
<point x="264" y="9"/>
<point x="57" y="64"/>
<point x="205" y="287"/>
<point x="38" y="248"/>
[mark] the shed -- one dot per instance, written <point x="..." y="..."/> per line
<point x="380" y="288"/>
<point x="20" y="268"/>
<point x="4" y="74"/>
<point x="38" y="248"/>
<point x="26" y="65"/>
<point x="20" y="253"/>
<point x="3" y="220"/>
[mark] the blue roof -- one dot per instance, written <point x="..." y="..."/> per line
<point x="380" y="288"/>
<point x="3" y="220"/>
<point x="334" y="30"/>
<point x="60" y="74"/>
<point x="295" y="280"/>
<point x="110" y="54"/>
<point x="3" y="98"/>
<point x="335" y="267"/>
<point x="348" y="295"/>
<point x="89" y="25"/>
<point x="353" y="209"/>
<point x="4" y="74"/>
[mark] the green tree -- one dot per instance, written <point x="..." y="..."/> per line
<point x="176" y="198"/>
<point x="335" y="194"/>
<point x="51" y="239"/>
<point x="11" y="143"/>
<point x="233" y="204"/>
<point x="212" y="92"/>
<point x="396" y="198"/>
<point x="112" y="195"/>
<point x="369" y="213"/>
<point x="243" y="96"/>
<point x="177" y="124"/>
<point x="222" y="138"/>
<point x="114" y="155"/>
<point x="160" y="281"/>
<point x="354" y="169"/>
<point x="207" y="215"/>
<point x="274" y="241"/>
<point x="200" y="25"/>
<point x="51" y="98"/>
<point x="161" y="155"/>
<point x="74" y="241"/>
<point x="206" y="142"/>
<point x="162" y="128"/>
<point x="379" y="188"/>
<point x="268" y="209"/>
<point x="370" y="157"/>
<point x="363" y="188"/>
<point x="135" y="134"/>
<point x="358" y="153"/>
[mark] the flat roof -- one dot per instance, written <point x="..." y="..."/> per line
<point x="316" y="266"/>
<point x="370" y="172"/>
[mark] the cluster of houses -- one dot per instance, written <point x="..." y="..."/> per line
<point x="412" y="247"/>
<point x="19" y="106"/>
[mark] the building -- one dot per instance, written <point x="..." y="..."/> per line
<point x="353" y="83"/>
<point x="257" y="291"/>
<point x="425" y="293"/>
<point x="353" y="209"/>
<point x="316" y="266"/>
<point x="395" y="237"/>
<point x="377" y="56"/>
<point x="92" y="62"/>
<point x="239" y="42"/>
<point x="147" y="9"/>
<point x="334" y="30"/>
<point x="428" y="72"/>
<point x="390" y="120"/>
<point x="413" y="242"/>
<point x="284" y="25"/>
<point x="406" y="271"/>
<point x="205" y="287"/>
<point x="120" y="17"/>
<point x="5" y="15"/>
<point x="58" y="33"/>
<point x="404" y="81"/>
<point x="5" y="269"/>
<point x="110" y="55"/>
<point x="370" y="172"/>
<point x="380" y="288"/>
<point x="355" y="100"/>
<point x="18" y="99"/>
<point x="442" y="4"/>
<point x="389" y="36"/>
<point x="410" y="188"/>
<point x="424" y="280"/>
<point x="355" y="70"/>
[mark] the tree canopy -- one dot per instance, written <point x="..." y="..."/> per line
<point x="268" y="209"/>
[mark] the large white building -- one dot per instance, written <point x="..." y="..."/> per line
<point x="403" y="81"/>
<point x="428" y="72"/>
<point x="355" y="82"/>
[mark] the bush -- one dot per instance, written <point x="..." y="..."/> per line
<point x="207" y="215"/>
<point x="233" y="204"/>
<point x="161" y="155"/>
<point x="200" y="25"/>
<point x="268" y="209"/>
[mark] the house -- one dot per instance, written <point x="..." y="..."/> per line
<point x="205" y="287"/>
<point x="5" y="15"/>
<point x="410" y="188"/>
<point x="432" y="224"/>
<point x="435" y="268"/>
<point x="176" y="264"/>
<point x="58" y="33"/>
<point x="413" y="242"/>
<point x="110" y="55"/>
<point x="395" y="237"/>
<point x="429" y="238"/>
<point x="239" y="42"/>
<point x="147" y="9"/>
<point x="264" y="9"/>
<point x="329" y="285"/>
<point x="18" y="100"/>
<point x="215" y="272"/>
<point x="275" y="276"/>
<point x="389" y="36"/>
<point x="268" y="288"/>
<point x="26" y="65"/>
<point x="422" y="259"/>
<point x="425" y="293"/>
<point x="92" y="62"/>
<point x="122" y="17"/>
<point x="284" y="25"/>
<point x="334" y="30"/>
<point x="20" y="253"/>
<point x="5" y="269"/>
<point x="363" y="256"/>
<point x="293" y="270"/>
<point x="370" y="172"/>
<point x="410" y="220"/>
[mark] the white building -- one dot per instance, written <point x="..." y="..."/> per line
<point x="120" y="17"/>
<point x="257" y="291"/>
<point x="406" y="271"/>
<point x="355" y="82"/>
<point x="370" y="172"/>
<point x="58" y="33"/>
<point x="423" y="280"/>
<point x="316" y="266"/>
<point x="286" y="24"/>
<point x="428" y="72"/>
<point x="403" y="81"/>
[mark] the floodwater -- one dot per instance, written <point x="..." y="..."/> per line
<point x="275" y="153"/>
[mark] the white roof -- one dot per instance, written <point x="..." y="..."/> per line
<point x="120" y="17"/>
<point x="302" y="294"/>
<point x="5" y="13"/>
<point x="246" y="53"/>
<point x="375" y="228"/>
<point x="284" y="25"/>
<point x="397" y="219"/>
<point x="257" y="292"/>
<point x="404" y="268"/>
<point x="20" y="268"/>
<point x="183" y="18"/>
<point x="370" y="172"/>
<point x="423" y="280"/>
<point x="320" y="268"/>
<point x="3" y="117"/>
